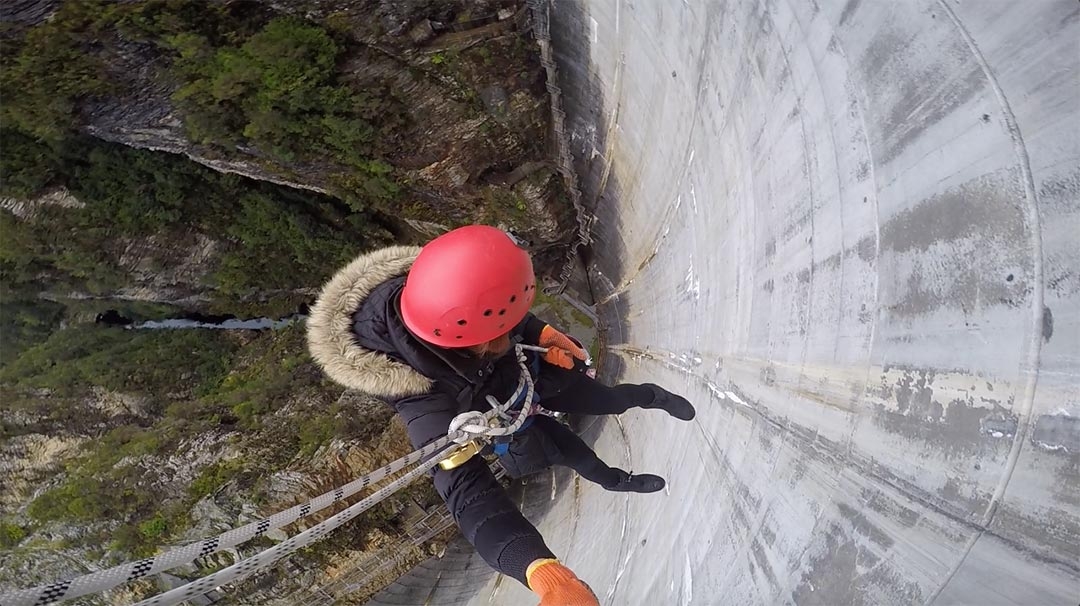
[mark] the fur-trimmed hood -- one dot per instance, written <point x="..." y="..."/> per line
<point x="329" y="328"/>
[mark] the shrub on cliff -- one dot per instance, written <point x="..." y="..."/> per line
<point x="73" y="360"/>
<point x="277" y="90"/>
<point x="275" y="238"/>
<point x="46" y="71"/>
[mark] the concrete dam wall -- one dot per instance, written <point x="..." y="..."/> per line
<point x="849" y="232"/>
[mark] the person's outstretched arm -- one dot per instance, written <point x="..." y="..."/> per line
<point x="564" y="350"/>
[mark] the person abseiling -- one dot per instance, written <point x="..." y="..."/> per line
<point x="432" y="331"/>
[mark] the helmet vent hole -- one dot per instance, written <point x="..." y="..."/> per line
<point x="502" y="325"/>
<point x="487" y="312"/>
<point x="438" y="333"/>
<point x="502" y="312"/>
<point x="458" y="337"/>
<point x="513" y="298"/>
<point x="461" y="323"/>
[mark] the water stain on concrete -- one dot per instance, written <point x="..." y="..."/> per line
<point x="998" y="425"/>
<point x="801" y="468"/>
<point x="955" y="427"/>
<point x="849" y="10"/>
<point x="936" y="86"/>
<point x="847" y="571"/>
<point x="1047" y="324"/>
<point x="889" y="507"/>
<point x="969" y="291"/>
<point x="986" y="208"/>
<point x="763" y="561"/>
<point x="1057" y="432"/>
<point x="830" y="262"/>
<point x="768" y="534"/>
<point x="867" y="248"/>
<point x="768" y="375"/>
<point x="1053" y="530"/>
<point x="965" y="494"/>
<point x="862" y="525"/>
<point x="1058" y="194"/>
<point x="914" y="396"/>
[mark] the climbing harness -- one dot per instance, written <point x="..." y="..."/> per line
<point x="501" y="444"/>
<point x="467" y="428"/>
<point x="470" y="421"/>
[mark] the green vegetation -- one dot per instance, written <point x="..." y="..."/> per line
<point x="241" y="78"/>
<point x="24" y="323"/>
<point x="567" y="317"/>
<point x="502" y="206"/>
<point x="72" y="360"/>
<point x="52" y="69"/>
<point x="86" y="499"/>
<point x="98" y="487"/>
<point x="62" y="61"/>
<point x="268" y="237"/>
<point x="228" y="387"/>
<point x="278" y="246"/>
<point x="272" y="235"/>
<point x="232" y="407"/>
<point x="279" y="91"/>
<point x="27" y="165"/>
<point x="213" y="476"/>
<point x="11" y="534"/>
<point x="276" y="90"/>
<point x="154" y="528"/>
<point x="267" y="370"/>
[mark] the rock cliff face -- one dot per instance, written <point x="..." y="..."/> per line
<point x="89" y="477"/>
<point x="114" y="442"/>
<point x="474" y="124"/>
<point x="28" y="12"/>
<point x="27" y="208"/>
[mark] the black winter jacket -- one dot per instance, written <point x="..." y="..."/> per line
<point x="356" y="334"/>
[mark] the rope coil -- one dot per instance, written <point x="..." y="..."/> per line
<point x="464" y="427"/>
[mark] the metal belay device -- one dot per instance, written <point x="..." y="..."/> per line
<point x="464" y="440"/>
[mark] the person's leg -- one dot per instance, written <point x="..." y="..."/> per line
<point x="574" y="453"/>
<point x="583" y="395"/>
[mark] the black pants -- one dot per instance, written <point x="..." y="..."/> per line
<point x="547" y="442"/>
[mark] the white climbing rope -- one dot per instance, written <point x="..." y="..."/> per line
<point x="101" y="580"/>
<point x="464" y="427"/>
<point x="268" y="557"/>
<point x="471" y="424"/>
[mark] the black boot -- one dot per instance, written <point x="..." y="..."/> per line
<point x="644" y="482"/>
<point x="675" y="405"/>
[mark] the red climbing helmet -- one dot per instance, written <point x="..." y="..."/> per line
<point x="467" y="287"/>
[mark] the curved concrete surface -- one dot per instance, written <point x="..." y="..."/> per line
<point x="848" y="230"/>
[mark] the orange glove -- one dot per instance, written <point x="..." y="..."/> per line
<point x="558" y="586"/>
<point x="562" y="350"/>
